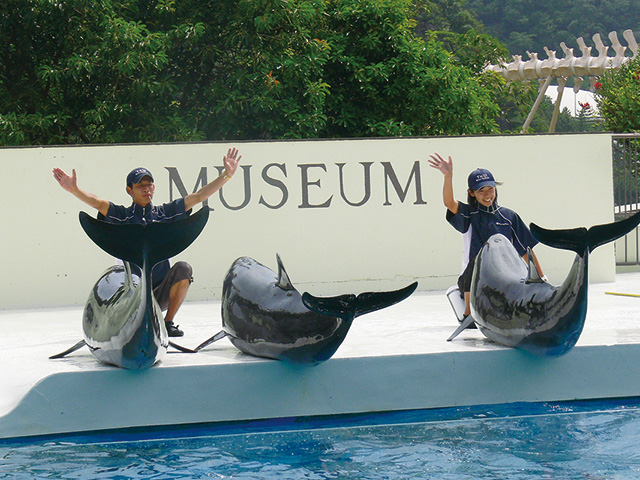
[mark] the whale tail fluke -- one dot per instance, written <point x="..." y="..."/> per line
<point x="601" y="234"/>
<point x="581" y="240"/>
<point x="153" y="242"/>
<point x="372" y="301"/>
<point x="351" y="306"/>
<point x="343" y="306"/>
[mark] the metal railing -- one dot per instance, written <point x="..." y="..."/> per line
<point x="626" y="193"/>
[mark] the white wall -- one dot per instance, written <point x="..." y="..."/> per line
<point x="558" y="181"/>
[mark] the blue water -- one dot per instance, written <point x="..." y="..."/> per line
<point x="576" y="440"/>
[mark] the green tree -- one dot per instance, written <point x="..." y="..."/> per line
<point x="515" y="99"/>
<point x="102" y="71"/>
<point x="385" y="81"/>
<point x="524" y="25"/>
<point x="462" y="35"/>
<point x="618" y="97"/>
<point x="80" y="72"/>
<point x="445" y="16"/>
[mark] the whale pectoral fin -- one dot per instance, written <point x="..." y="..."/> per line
<point x="464" y="325"/>
<point x="533" y="275"/>
<point x="77" y="346"/>
<point x="343" y="306"/>
<point x="372" y="301"/>
<point x="180" y="348"/>
<point x="283" y="277"/>
<point x="218" y="336"/>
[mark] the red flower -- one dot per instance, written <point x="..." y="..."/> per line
<point x="598" y="85"/>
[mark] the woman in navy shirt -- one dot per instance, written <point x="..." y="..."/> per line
<point x="479" y="219"/>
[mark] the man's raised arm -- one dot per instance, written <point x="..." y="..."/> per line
<point x="230" y="160"/>
<point x="70" y="184"/>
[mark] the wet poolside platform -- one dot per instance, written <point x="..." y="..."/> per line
<point x="394" y="359"/>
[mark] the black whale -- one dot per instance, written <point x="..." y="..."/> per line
<point x="511" y="305"/>
<point x="122" y="322"/>
<point x="264" y="315"/>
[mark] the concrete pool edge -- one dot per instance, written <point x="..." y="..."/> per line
<point x="108" y="399"/>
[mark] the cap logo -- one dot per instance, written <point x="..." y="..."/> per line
<point x="138" y="174"/>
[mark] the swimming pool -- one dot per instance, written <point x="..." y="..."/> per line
<point x="569" y="440"/>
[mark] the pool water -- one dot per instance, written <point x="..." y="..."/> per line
<point x="572" y="440"/>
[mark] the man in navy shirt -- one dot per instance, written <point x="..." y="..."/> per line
<point x="170" y="283"/>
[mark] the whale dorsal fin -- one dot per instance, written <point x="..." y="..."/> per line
<point x="283" y="279"/>
<point x="534" y="274"/>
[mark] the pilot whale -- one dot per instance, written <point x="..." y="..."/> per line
<point x="264" y="315"/>
<point x="513" y="306"/>
<point x="122" y="322"/>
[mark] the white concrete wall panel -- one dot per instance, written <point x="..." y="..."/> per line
<point x="346" y="215"/>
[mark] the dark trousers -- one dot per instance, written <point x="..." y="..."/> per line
<point x="179" y="271"/>
<point x="464" y="280"/>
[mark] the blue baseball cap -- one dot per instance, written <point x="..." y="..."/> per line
<point x="138" y="174"/>
<point x="480" y="177"/>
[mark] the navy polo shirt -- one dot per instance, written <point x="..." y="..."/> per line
<point x="479" y="223"/>
<point x="167" y="212"/>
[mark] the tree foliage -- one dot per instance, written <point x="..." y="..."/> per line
<point x="103" y="71"/>
<point x="445" y="16"/>
<point x="618" y="97"/>
<point x="80" y="72"/>
<point x="524" y="25"/>
<point x="452" y="25"/>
